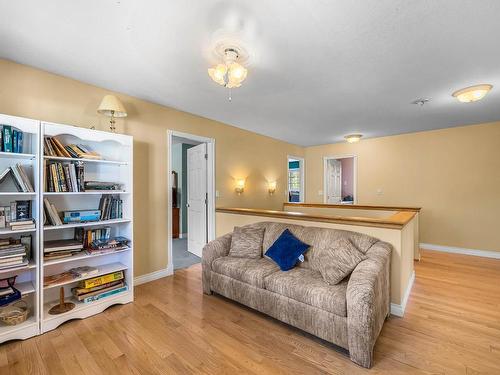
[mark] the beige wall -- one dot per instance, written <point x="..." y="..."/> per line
<point x="29" y="92"/>
<point x="453" y="174"/>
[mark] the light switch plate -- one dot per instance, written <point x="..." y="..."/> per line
<point x="320" y="192"/>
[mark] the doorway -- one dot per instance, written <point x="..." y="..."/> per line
<point x="340" y="179"/>
<point x="295" y="166"/>
<point x="191" y="209"/>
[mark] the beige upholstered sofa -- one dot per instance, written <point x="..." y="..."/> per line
<point x="349" y="314"/>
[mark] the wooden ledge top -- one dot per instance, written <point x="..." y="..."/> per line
<point x="353" y="206"/>
<point x="396" y="221"/>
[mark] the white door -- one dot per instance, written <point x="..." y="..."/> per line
<point x="197" y="198"/>
<point x="334" y="181"/>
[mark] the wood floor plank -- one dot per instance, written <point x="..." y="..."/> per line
<point x="451" y="326"/>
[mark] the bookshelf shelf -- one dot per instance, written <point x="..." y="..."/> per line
<point x="27" y="329"/>
<point x="31" y="265"/>
<point x="16" y="155"/>
<point x="26" y="287"/>
<point x="103" y="270"/>
<point x="80" y="307"/>
<point x="75" y="258"/>
<point x="116" y="166"/>
<point x="6" y="231"/>
<point x="16" y="193"/>
<point x="99" y="161"/>
<point x="93" y="192"/>
<point x="86" y="224"/>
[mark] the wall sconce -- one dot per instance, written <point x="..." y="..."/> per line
<point x="240" y="186"/>
<point x="271" y="187"/>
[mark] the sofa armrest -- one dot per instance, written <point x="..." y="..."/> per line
<point x="368" y="298"/>
<point x="214" y="249"/>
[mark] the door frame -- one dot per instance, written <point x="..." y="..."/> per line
<point x="210" y="188"/>
<point x="354" y="173"/>
<point x="302" y="164"/>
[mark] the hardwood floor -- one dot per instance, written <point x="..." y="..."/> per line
<point x="451" y="326"/>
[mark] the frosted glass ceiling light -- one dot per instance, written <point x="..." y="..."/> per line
<point x="230" y="73"/>
<point x="472" y="93"/>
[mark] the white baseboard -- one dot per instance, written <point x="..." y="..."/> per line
<point x="399" y="310"/>
<point x="461" y="250"/>
<point x="153" y="276"/>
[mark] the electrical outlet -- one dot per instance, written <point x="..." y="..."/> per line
<point x="217" y="194"/>
<point x="380" y="191"/>
<point x="320" y="192"/>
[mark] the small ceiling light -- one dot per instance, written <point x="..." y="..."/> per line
<point x="472" y="93"/>
<point x="421" y="101"/>
<point x="353" y="138"/>
<point x="230" y="73"/>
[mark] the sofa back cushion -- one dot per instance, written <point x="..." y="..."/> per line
<point x="246" y="242"/>
<point x="316" y="237"/>
<point x="338" y="260"/>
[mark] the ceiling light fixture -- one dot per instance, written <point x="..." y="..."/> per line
<point x="229" y="73"/>
<point x="353" y="138"/>
<point x="472" y="93"/>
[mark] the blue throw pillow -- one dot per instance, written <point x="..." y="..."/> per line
<point x="286" y="250"/>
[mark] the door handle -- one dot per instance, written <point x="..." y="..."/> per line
<point x="187" y="205"/>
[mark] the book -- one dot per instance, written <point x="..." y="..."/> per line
<point x="14" y="141"/>
<point x="2" y="217"/>
<point x="23" y="210"/>
<point x="4" y="174"/>
<point x="18" y="180"/>
<point x="104" y="295"/>
<point x="81" y="297"/>
<point x="96" y="281"/>
<point x="58" y="278"/>
<point x="24" y="177"/>
<point x="84" y="271"/>
<point x="20" y="142"/>
<point x="7" y="138"/>
<point x="26" y="241"/>
<point x="60" y="245"/>
<point x="13" y="211"/>
<point x="80" y="291"/>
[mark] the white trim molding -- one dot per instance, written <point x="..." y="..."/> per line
<point x="461" y="250"/>
<point x="138" y="280"/>
<point x="399" y="310"/>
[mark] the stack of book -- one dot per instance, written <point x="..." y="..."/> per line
<point x="64" y="177"/>
<point x="20" y="177"/>
<point x="22" y="224"/>
<point x="54" y="147"/>
<point x="11" y="140"/>
<point x="13" y="253"/>
<point x="59" y="249"/>
<point x="51" y="213"/>
<point x="107" y="246"/>
<point x="111" y="207"/>
<point x="100" y="287"/>
<point x="17" y="214"/>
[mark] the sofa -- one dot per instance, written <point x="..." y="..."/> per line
<point x="350" y="314"/>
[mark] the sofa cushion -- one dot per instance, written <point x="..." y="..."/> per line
<point x="307" y="286"/>
<point x="287" y="250"/>
<point x="316" y="237"/>
<point x="246" y="242"/>
<point x="247" y="270"/>
<point x="338" y="260"/>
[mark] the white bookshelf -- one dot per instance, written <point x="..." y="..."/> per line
<point x="116" y="166"/>
<point x="27" y="281"/>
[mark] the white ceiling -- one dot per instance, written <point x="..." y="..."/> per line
<point x="318" y="69"/>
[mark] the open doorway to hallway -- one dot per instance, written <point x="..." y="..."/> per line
<point x="191" y="199"/>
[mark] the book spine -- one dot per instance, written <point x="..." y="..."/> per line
<point x="55" y="180"/>
<point x="1" y="138"/>
<point x="20" y="142"/>
<point x="62" y="180"/>
<point x="2" y="217"/>
<point x="7" y="138"/>
<point x="14" y="141"/>
<point x="13" y="211"/>
<point x="96" y="281"/>
<point x="105" y="294"/>
<point x="67" y="178"/>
